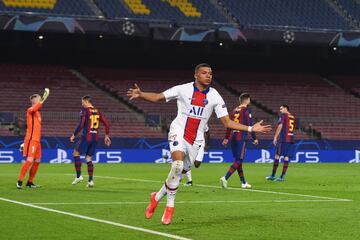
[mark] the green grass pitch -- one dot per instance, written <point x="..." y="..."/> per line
<point x="321" y="202"/>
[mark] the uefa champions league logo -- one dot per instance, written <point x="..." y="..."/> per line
<point x="289" y="37"/>
<point x="128" y="28"/>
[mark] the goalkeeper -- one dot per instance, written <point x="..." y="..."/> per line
<point x="31" y="146"/>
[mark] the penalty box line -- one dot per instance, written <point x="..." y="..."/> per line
<point x="139" y="229"/>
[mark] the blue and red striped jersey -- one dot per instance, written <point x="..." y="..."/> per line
<point x="90" y="119"/>
<point x="288" y="127"/>
<point x="240" y="115"/>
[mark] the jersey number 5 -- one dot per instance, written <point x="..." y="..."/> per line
<point x="291" y="125"/>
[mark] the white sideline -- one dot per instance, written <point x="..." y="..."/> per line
<point x="189" y="202"/>
<point x="96" y="220"/>
<point x="230" y="188"/>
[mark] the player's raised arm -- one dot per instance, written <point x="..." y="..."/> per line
<point x="45" y="95"/>
<point x="257" y="127"/>
<point x="136" y="92"/>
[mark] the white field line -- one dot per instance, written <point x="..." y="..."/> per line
<point x="189" y="202"/>
<point x="217" y="187"/>
<point x="229" y="188"/>
<point x="139" y="229"/>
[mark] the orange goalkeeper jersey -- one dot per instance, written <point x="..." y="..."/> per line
<point x="33" y="120"/>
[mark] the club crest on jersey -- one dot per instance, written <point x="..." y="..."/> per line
<point x="205" y="102"/>
<point x="196" y="111"/>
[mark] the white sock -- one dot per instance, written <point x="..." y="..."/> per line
<point x="173" y="181"/>
<point x="188" y="175"/>
<point x="161" y="193"/>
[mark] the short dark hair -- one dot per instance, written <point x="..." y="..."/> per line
<point x="243" y="97"/>
<point x="87" y="98"/>
<point x="201" y="65"/>
<point x="286" y="106"/>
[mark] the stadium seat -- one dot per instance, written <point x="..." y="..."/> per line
<point x="61" y="111"/>
<point x="311" y="99"/>
<point x="186" y="12"/>
<point x="286" y="14"/>
<point x="48" y="7"/>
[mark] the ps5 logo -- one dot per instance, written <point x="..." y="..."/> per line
<point x="307" y="157"/>
<point x="7" y="157"/>
<point x="265" y="157"/>
<point x="357" y="157"/>
<point x="112" y="157"/>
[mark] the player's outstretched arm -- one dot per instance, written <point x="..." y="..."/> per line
<point x="45" y="95"/>
<point x="257" y="127"/>
<point x="136" y="92"/>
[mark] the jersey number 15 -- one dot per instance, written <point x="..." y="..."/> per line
<point x="94" y="121"/>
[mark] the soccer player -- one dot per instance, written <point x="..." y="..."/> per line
<point x="285" y="146"/>
<point x="90" y="119"/>
<point x="196" y="101"/>
<point x="199" y="158"/>
<point x="32" y="145"/>
<point x="241" y="114"/>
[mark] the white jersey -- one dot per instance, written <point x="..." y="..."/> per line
<point x="194" y="110"/>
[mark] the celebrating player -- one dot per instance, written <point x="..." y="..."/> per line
<point x="195" y="101"/>
<point x="241" y="114"/>
<point x="32" y="145"/>
<point x="89" y="124"/>
<point x="285" y="146"/>
<point x="199" y="158"/>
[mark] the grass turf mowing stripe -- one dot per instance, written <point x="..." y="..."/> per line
<point x="229" y="188"/>
<point x="96" y="220"/>
<point x="190" y="202"/>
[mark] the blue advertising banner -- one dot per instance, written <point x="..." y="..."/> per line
<point x="139" y="150"/>
<point x="13" y="155"/>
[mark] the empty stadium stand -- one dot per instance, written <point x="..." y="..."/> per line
<point x="316" y="14"/>
<point x="80" y="8"/>
<point x="61" y="111"/>
<point x="313" y="100"/>
<point x="350" y="7"/>
<point x="172" y="11"/>
<point x="350" y="82"/>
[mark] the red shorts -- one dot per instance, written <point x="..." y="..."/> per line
<point x="32" y="149"/>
